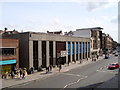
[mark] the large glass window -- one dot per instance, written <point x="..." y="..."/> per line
<point x="7" y="51"/>
<point x="35" y="54"/>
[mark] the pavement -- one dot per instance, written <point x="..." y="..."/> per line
<point x="7" y="83"/>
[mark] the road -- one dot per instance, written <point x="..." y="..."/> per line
<point x="88" y="76"/>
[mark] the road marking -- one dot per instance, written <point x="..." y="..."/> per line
<point x="106" y="71"/>
<point x="82" y="77"/>
<point x="74" y="82"/>
<point x="74" y="74"/>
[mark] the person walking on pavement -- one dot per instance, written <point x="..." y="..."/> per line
<point x="92" y="58"/>
<point x="23" y="76"/>
<point x="60" y="67"/>
<point x="32" y="70"/>
<point x="50" y="67"/>
<point x="97" y="56"/>
<point x="47" y="69"/>
<point x="68" y="62"/>
<point x="12" y="74"/>
<point x="21" y="73"/>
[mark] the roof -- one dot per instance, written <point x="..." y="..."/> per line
<point x="94" y="28"/>
<point x="114" y="63"/>
<point x="55" y="32"/>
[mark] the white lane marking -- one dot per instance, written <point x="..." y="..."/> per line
<point x="106" y="71"/>
<point x="82" y="77"/>
<point x="74" y="74"/>
<point x="74" y="82"/>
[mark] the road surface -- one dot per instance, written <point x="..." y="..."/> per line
<point x="88" y="76"/>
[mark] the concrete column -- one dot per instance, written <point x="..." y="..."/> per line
<point x="87" y="49"/>
<point x="90" y="50"/>
<point x="30" y="54"/>
<point x="70" y="51"/>
<point x="39" y="53"/>
<point x="47" y="53"/>
<point x="54" y="53"/>
<point x="67" y="52"/>
<point x="78" y="51"/>
<point x="82" y="52"/>
<point x="75" y="51"/>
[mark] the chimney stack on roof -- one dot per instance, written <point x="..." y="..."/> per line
<point x="5" y="29"/>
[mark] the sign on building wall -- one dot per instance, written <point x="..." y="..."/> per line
<point x="68" y="48"/>
<point x="76" y="48"/>
<point x="5" y="62"/>
<point x="63" y="53"/>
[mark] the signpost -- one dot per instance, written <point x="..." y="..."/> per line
<point x="63" y="53"/>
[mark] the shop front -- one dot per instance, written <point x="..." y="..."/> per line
<point x="7" y="65"/>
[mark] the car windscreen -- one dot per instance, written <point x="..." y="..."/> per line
<point x="112" y="64"/>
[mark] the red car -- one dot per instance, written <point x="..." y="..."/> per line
<point x="113" y="66"/>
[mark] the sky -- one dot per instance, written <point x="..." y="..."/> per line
<point x="56" y="15"/>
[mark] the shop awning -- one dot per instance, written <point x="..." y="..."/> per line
<point x="5" y="62"/>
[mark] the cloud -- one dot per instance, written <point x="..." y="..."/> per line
<point x="57" y="24"/>
<point x="93" y="6"/>
<point x="94" y="22"/>
<point x="56" y="21"/>
<point x="113" y="19"/>
<point x="106" y="18"/>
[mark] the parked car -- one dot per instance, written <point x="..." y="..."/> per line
<point x="113" y="66"/>
<point x="116" y="54"/>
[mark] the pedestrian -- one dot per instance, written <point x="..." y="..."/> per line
<point x="74" y="61"/>
<point x="23" y="76"/>
<point x="97" y="56"/>
<point x="21" y="73"/>
<point x="92" y="58"/>
<point x="15" y="70"/>
<point x="12" y="74"/>
<point x="60" y="67"/>
<point x="6" y="75"/>
<point x="18" y="72"/>
<point x="25" y="71"/>
<point x="32" y="69"/>
<point x="47" y="69"/>
<point x="68" y="62"/>
<point x="80" y="61"/>
<point x="50" y="67"/>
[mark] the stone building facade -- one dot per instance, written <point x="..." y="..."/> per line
<point x="43" y="49"/>
<point x="107" y="45"/>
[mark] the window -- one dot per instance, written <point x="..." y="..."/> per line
<point x="7" y="51"/>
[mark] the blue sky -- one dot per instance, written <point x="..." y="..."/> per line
<point x="55" y="16"/>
